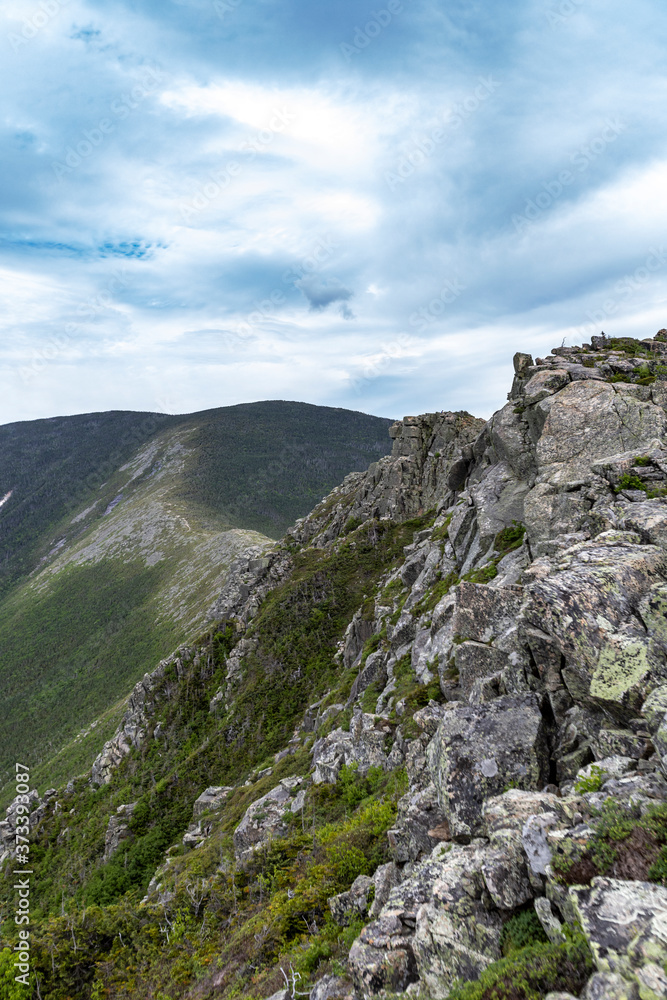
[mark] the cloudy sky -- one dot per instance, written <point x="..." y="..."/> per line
<point x="207" y="202"/>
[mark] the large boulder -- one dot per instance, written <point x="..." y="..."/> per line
<point x="590" y="603"/>
<point x="479" y="750"/>
<point x="434" y="927"/>
<point x="118" y="829"/>
<point x="482" y="614"/>
<point x="588" y="420"/>
<point x="476" y="661"/>
<point x="625" y="924"/>
<point x="265" y="818"/>
<point x="364" y="745"/>
<point x="211" y="800"/>
<point x="456" y="934"/>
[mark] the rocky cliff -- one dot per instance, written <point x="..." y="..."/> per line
<point x="429" y="752"/>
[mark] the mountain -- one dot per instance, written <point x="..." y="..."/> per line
<point x="422" y="751"/>
<point x="117" y="532"/>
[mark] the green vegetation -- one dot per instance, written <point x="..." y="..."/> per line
<point x="9" y="988"/>
<point x="591" y="784"/>
<point x="624" y="845"/>
<point x="521" y="931"/>
<point x="436" y="593"/>
<point x="235" y="922"/>
<point x="73" y="651"/>
<point x="484" y="574"/>
<point x="55" y="467"/>
<point x="642" y="460"/>
<point x="297" y="631"/>
<point x="629" y="345"/>
<point x="507" y="540"/>
<point x="510" y="538"/>
<point x="263" y="465"/>
<point x="630" y="481"/>
<point x="531" y="972"/>
<point x="74" y="638"/>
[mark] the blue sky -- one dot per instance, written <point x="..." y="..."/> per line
<point x="207" y="202"/>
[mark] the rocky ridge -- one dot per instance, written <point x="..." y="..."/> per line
<point x="532" y="610"/>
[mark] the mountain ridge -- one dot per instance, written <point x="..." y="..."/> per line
<point x="423" y="749"/>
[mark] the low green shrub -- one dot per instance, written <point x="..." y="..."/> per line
<point x="629" y="481"/>
<point x="521" y="931"/>
<point x="532" y="972"/>
<point x="510" y="538"/>
<point x="591" y="784"/>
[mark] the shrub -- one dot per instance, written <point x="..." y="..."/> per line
<point x="483" y="575"/>
<point x="510" y="538"/>
<point x="629" y="481"/>
<point x="591" y="784"/>
<point x="530" y="973"/>
<point x="521" y="931"/>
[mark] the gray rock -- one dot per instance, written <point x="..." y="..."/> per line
<point x="420" y="825"/>
<point x="505" y="875"/>
<point x="456" y="935"/>
<point x="482" y="614"/>
<point x="211" y="800"/>
<point x="590" y="605"/>
<point x="616" y="742"/>
<point x="625" y="924"/>
<point x="607" y="986"/>
<point x="535" y="841"/>
<point x="364" y="745"/>
<point x="550" y="923"/>
<point x="479" y="750"/>
<point x="386" y="878"/>
<point x="330" y="988"/>
<point x="476" y="662"/>
<point x="375" y="671"/>
<point x="118" y="830"/>
<point x="587" y="420"/>
<point x="433" y="928"/>
<point x="347" y="906"/>
<point x="264" y="819"/>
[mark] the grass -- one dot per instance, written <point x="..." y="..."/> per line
<point x="71" y="652"/>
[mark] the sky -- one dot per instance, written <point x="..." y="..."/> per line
<point x="355" y="204"/>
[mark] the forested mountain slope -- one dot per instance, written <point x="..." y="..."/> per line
<point x="117" y="533"/>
